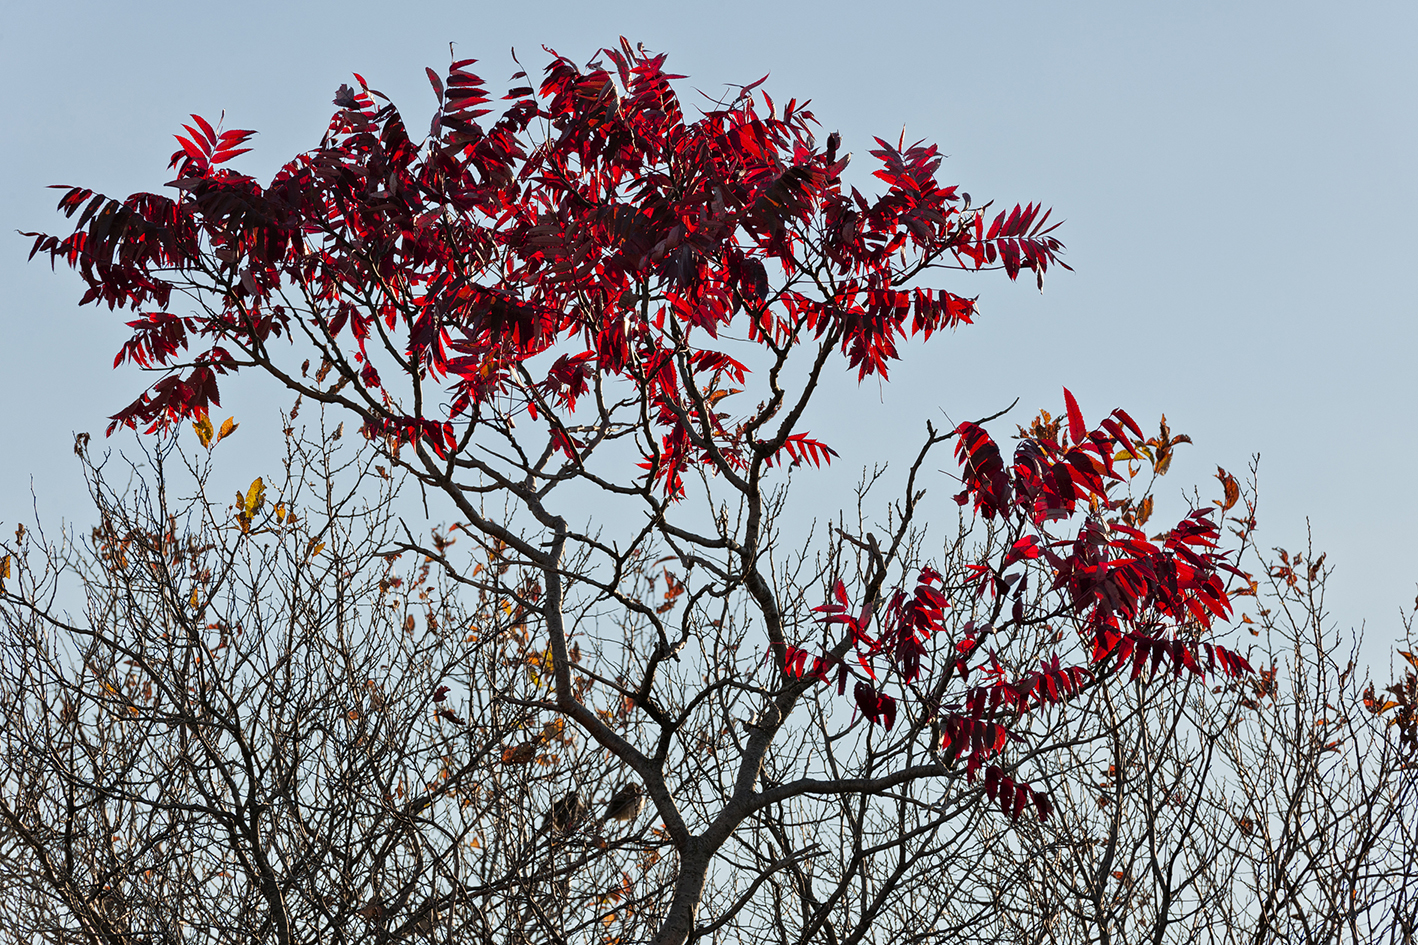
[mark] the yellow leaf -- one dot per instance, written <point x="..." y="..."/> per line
<point x="255" y="496"/>
<point x="537" y="663"/>
<point x="5" y="567"/>
<point x="228" y="428"/>
<point x="204" y="431"/>
<point x="317" y="549"/>
<point x="194" y="600"/>
<point x="280" y="511"/>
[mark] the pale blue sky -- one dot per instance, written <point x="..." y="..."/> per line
<point x="1237" y="181"/>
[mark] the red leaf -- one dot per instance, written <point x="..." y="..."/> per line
<point x="1006" y="794"/>
<point x="207" y="129"/>
<point x="194" y="152"/>
<point x="221" y="157"/>
<point x="1077" y="432"/>
<point x="992" y="780"/>
<point x="1025" y="549"/>
<point x="1043" y="804"/>
<point x="1131" y="424"/>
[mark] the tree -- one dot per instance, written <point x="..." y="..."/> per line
<point x="689" y="285"/>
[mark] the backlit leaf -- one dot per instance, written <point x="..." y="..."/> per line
<point x="255" y="496"/>
<point x="1076" y="429"/>
<point x="1231" y="489"/>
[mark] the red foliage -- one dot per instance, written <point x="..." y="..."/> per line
<point x="1139" y="604"/>
<point x="509" y="267"/>
<point x="485" y="246"/>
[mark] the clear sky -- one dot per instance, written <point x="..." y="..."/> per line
<point x="1237" y="180"/>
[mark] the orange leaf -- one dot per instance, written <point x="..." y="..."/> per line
<point x="1231" y="487"/>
